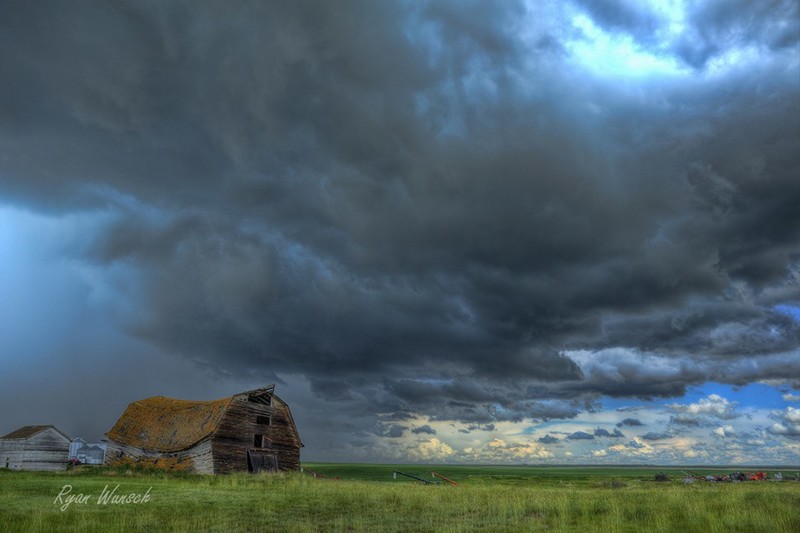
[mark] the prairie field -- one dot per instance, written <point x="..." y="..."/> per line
<point x="369" y="498"/>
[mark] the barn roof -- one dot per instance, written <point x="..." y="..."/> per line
<point x="26" y="432"/>
<point x="168" y="425"/>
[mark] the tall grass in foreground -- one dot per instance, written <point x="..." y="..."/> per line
<point x="298" y="502"/>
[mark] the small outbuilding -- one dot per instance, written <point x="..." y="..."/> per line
<point x="87" y="453"/>
<point x="35" y="448"/>
<point x="252" y="431"/>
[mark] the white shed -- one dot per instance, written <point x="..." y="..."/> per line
<point x="87" y="453"/>
<point x="35" y="448"/>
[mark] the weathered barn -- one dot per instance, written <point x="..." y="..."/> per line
<point x="35" y="448"/>
<point x="248" y="432"/>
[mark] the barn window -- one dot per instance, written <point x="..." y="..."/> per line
<point x="261" y="396"/>
<point x="260" y="419"/>
<point x="258" y="441"/>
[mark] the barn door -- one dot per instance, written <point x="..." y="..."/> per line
<point x="260" y="461"/>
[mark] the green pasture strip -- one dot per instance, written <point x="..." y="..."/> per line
<point x="299" y="502"/>
<point x="521" y="474"/>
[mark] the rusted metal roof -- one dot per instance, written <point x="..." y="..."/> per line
<point x="167" y="425"/>
<point x="26" y="432"/>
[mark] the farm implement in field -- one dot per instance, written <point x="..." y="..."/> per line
<point x="396" y="473"/>
<point x="312" y="473"/>
<point x="734" y="477"/>
<point x="434" y="475"/>
<point x="437" y="474"/>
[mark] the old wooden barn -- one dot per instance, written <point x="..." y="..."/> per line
<point x="252" y="431"/>
<point x="35" y="448"/>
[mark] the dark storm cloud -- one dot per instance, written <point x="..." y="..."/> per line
<point x="630" y="422"/>
<point x="652" y="435"/>
<point x="600" y="432"/>
<point x="426" y="429"/>
<point x="710" y="29"/>
<point x="580" y="435"/>
<point x="481" y="401"/>
<point x="718" y="25"/>
<point x="635" y="18"/>
<point x="685" y="420"/>
<point x="394" y="431"/>
<point x="477" y="427"/>
<point x="547" y="439"/>
<point x="410" y="207"/>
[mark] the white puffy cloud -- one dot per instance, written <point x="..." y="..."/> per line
<point x="724" y="431"/>
<point x="430" y="450"/>
<point x="499" y="451"/>
<point x="714" y="405"/>
<point x="788" y="422"/>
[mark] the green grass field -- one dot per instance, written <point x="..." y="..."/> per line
<point x="367" y="498"/>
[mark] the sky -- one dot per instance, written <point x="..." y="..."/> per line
<point x="449" y="231"/>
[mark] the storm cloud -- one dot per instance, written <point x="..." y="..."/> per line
<point x="601" y="432"/>
<point x="652" y="435"/>
<point x="428" y="210"/>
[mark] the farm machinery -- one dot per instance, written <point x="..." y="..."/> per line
<point x="734" y="477"/>
<point x="435" y="475"/>
<point x="396" y="473"/>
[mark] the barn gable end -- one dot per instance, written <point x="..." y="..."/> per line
<point x="253" y="432"/>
